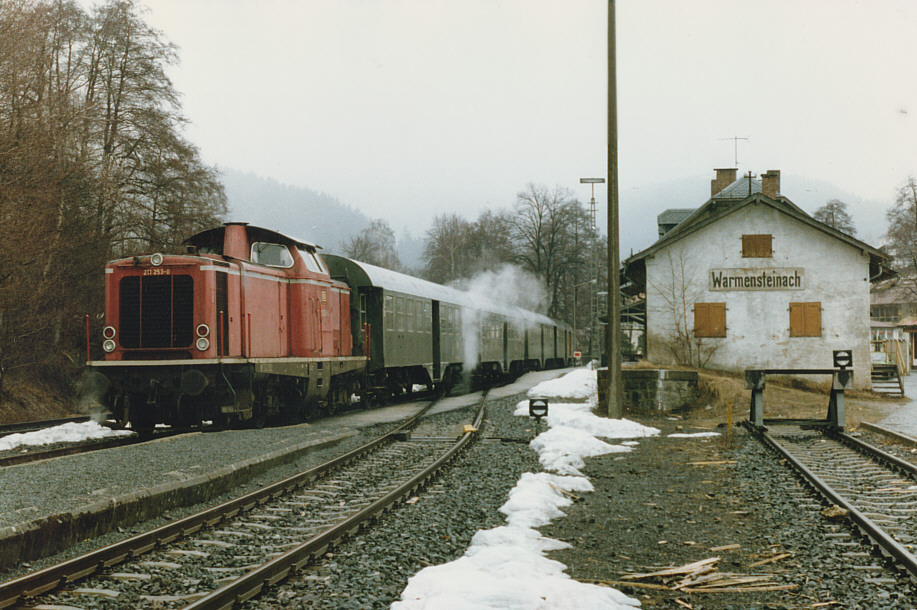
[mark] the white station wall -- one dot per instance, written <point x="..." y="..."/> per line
<point x="758" y="321"/>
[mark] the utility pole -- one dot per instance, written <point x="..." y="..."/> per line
<point x="615" y="390"/>
<point x="594" y="341"/>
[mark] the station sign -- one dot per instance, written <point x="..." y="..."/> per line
<point x="770" y="278"/>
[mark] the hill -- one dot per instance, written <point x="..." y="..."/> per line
<point x="299" y="212"/>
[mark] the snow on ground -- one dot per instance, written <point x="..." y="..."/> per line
<point x="507" y="567"/>
<point x="65" y="433"/>
<point x="692" y="434"/>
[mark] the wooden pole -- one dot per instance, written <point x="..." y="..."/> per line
<point x="615" y="391"/>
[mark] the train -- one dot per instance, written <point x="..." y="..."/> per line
<point x="248" y="325"/>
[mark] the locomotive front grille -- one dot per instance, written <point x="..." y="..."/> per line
<point x="157" y="311"/>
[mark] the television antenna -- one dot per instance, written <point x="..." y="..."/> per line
<point x="735" y="145"/>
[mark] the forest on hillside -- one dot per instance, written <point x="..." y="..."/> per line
<point x="93" y="165"/>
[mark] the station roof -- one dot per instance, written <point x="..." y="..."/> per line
<point x="718" y="207"/>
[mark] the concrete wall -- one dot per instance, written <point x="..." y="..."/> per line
<point x="757" y="321"/>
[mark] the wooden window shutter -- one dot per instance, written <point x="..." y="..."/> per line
<point x="710" y="319"/>
<point x="757" y="246"/>
<point x="748" y="246"/>
<point x="805" y="319"/>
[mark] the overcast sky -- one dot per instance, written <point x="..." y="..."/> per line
<point x="409" y="108"/>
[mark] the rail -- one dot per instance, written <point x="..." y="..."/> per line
<point x="32" y="426"/>
<point x="279" y="568"/>
<point x="879" y="536"/>
<point x="31" y="585"/>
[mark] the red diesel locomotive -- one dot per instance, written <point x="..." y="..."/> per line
<point x="249" y="324"/>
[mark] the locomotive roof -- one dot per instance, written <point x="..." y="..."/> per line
<point x="372" y="275"/>
<point x="214" y="236"/>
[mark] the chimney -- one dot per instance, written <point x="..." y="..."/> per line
<point x="770" y="183"/>
<point x="724" y="177"/>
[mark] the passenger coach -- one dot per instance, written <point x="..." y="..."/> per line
<point x="419" y="332"/>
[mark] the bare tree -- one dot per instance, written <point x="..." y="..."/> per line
<point x="374" y="245"/>
<point x="547" y="233"/>
<point x="835" y="215"/>
<point x="92" y="163"/>
<point x="679" y="291"/>
<point x="902" y="234"/>
<point x="445" y="252"/>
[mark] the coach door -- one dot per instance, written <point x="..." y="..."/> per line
<point x="436" y="343"/>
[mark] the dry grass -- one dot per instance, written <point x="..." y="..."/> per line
<point x="27" y="399"/>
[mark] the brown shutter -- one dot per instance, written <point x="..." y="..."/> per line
<point x="813" y="319"/>
<point x="797" y="319"/>
<point x="710" y="319"/>
<point x="757" y="246"/>
<point x="748" y="246"/>
<point x="765" y="245"/>
<point x="805" y="319"/>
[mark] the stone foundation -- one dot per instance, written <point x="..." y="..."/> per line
<point x="654" y="390"/>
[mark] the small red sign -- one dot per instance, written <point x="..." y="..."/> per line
<point x="577" y="354"/>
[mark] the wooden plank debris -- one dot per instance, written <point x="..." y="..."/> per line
<point x="702" y="577"/>
<point x="728" y="547"/>
<point x="712" y="463"/>
<point x="689" y="568"/>
<point x="773" y="559"/>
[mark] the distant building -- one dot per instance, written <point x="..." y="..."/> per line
<point x="749" y="280"/>
<point x="670" y="219"/>
<point x="893" y="310"/>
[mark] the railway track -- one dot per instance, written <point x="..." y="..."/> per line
<point x="877" y="490"/>
<point x="32" y="426"/>
<point x="227" y="554"/>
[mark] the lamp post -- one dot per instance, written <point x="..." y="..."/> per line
<point x="575" y="336"/>
<point x="593" y="340"/>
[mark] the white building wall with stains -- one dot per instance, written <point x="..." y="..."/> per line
<point x="834" y="274"/>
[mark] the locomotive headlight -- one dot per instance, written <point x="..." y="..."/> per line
<point x="203" y="330"/>
<point x="203" y="343"/>
<point x="108" y="345"/>
<point x="108" y="332"/>
<point x="156" y="259"/>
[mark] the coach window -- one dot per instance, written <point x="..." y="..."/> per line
<point x="757" y="246"/>
<point x="427" y="318"/>
<point x="710" y="319"/>
<point x="399" y="314"/>
<point x="272" y="255"/>
<point x="389" y="312"/>
<point x="805" y="319"/>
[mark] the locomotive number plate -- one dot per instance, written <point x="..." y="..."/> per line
<point x="158" y="271"/>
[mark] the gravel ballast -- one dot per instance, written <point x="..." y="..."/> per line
<point x="666" y="503"/>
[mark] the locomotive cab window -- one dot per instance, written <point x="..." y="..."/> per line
<point x="272" y="255"/>
<point x="313" y="262"/>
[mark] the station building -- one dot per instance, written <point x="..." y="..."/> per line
<point x="750" y="280"/>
